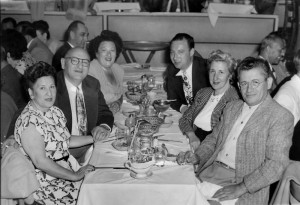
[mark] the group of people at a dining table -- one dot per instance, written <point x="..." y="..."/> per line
<point x="239" y="138"/>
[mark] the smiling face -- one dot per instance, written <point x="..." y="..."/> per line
<point x="254" y="95"/>
<point x="219" y="77"/>
<point x="106" y="54"/>
<point x="75" y="73"/>
<point x="43" y="93"/>
<point x="181" y="55"/>
<point x="276" y="52"/>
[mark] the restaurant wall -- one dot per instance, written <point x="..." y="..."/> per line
<point x="239" y="35"/>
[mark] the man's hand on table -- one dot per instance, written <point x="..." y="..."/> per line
<point x="100" y="133"/>
<point x="230" y="192"/>
<point x="187" y="157"/>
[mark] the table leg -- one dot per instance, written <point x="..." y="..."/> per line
<point x="126" y="57"/>
<point x="131" y="56"/>
<point x="150" y="57"/>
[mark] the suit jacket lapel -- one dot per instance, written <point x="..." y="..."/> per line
<point x="91" y="103"/>
<point x="63" y="98"/>
<point x="258" y="113"/>
<point x="202" y="103"/>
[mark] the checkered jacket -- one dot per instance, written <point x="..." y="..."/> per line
<point x="186" y="123"/>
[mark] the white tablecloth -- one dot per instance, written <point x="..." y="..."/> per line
<point x="171" y="184"/>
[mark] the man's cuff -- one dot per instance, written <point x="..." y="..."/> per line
<point x="105" y="126"/>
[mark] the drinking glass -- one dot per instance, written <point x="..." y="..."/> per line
<point x="160" y="156"/>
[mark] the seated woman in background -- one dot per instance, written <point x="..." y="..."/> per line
<point x="201" y="117"/>
<point x="104" y="50"/>
<point x="44" y="139"/>
<point x="15" y="45"/>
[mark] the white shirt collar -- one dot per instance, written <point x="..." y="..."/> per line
<point x="29" y="43"/>
<point x="70" y="44"/>
<point x="72" y="87"/>
<point x="188" y="72"/>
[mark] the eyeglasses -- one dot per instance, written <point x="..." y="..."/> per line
<point x="75" y="61"/>
<point x="253" y="83"/>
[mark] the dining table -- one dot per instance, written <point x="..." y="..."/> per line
<point x="112" y="184"/>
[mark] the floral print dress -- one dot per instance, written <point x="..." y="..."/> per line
<point x="52" y="127"/>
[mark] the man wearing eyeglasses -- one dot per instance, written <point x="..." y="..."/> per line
<point x="248" y="150"/>
<point x="80" y="98"/>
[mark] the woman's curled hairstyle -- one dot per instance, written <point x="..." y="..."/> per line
<point x="38" y="70"/>
<point x="221" y="56"/>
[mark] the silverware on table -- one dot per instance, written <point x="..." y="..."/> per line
<point x="110" y="168"/>
<point x="112" y="139"/>
<point x="170" y="140"/>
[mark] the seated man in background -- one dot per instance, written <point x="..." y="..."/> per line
<point x="273" y="49"/>
<point x="42" y="32"/>
<point x="75" y="36"/>
<point x="8" y="23"/>
<point x="81" y="100"/>
<point x="38" y="49"/>
<point x="186" y="75"/>
<point x="248" y="150"/>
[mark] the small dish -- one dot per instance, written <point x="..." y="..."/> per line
<point x="166" y="124"/>
<point x="139" y="176"/>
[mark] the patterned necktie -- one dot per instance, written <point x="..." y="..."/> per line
<point x="81" y="113"/>
<point x="187" y="88"/>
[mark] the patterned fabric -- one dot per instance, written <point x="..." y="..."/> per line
<point x="26" y="61"/>
<point x="52" y="127"/>
<point x="203" y="95"/>
<point x="81" y="113"/>
<point x="187" y="88"/>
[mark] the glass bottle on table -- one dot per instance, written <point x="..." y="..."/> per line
<point x="130" y="122"/>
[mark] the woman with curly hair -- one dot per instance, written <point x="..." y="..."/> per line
<point x="200" y="118"/>
<point x="104" y="50"/>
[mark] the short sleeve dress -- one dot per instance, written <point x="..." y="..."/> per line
<point x="52" y="127"/>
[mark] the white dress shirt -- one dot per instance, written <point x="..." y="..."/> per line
<point x="72" y="96"/>
<point x="228" y="152"/>
<point x="203" y="119"/>
<point x="289" y="97"/>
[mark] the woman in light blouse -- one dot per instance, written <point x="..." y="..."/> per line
<point x="201" y="117"/>
<point x="104" y="50"/>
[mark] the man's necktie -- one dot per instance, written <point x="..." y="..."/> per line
<point x="187" y="88"/>
<point x="81" y="113"/>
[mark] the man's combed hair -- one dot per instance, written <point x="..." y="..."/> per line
<point x="72" y="27"/>
<point x="38" y="70"/>
<point x="251" y="62"/>
<point x="182" y="36"/>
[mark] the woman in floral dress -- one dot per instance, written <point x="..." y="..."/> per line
<point x="44" y="139"/>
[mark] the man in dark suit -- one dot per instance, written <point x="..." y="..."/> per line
<point x="187" y="74"/>
<point x="75" y="36"/>
<point x="36" y="47"/>
<point x="75" y="76"/>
